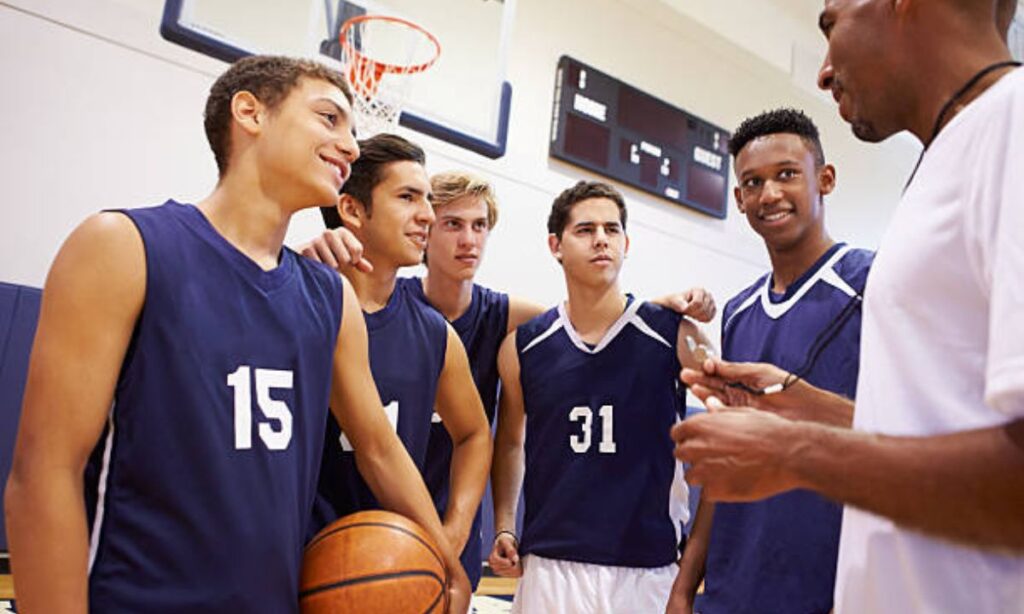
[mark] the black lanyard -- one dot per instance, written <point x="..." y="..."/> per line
<point x="946" y="108"/>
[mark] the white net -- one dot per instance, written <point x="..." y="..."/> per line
<point x="380" y="56"/>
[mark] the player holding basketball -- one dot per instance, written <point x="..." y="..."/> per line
<point x="183" y="362"/>
<point x="466" y="212"/>
<point x="591" y="387"/>
<point x="417" y="360"/>
<point x="779" y="554"/>
<point x="933" y="470"/>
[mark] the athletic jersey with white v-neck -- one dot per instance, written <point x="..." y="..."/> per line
<point x="779" y="554"/>
<point x="599" y="464"/>
<point x="199" y="491"/>
<point x="943" y="352"/>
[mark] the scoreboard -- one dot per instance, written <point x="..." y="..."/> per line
<point x="614" y="129"/>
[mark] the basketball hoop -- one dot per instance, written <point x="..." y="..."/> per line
<point x="379" y="55"/>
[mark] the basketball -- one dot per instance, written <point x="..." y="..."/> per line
<point x="373" y="561"/>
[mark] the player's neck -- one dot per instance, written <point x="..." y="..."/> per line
<point x="373" y="289"/>
<point x="451" y="296"/>
<point x="788" y="265"/>
<point x="247" y="219"/>
<point x="593" y="310"/>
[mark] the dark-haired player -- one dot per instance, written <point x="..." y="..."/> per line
<point x="418" y="361"/>
<point x="779" y="554"/>
<point x="178" y="388"/>
<point x="589" y="391"/>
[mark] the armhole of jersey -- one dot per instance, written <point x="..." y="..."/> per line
<point x="133" y="342"/>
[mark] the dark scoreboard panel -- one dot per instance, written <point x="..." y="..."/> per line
<point x="611" y="128"/>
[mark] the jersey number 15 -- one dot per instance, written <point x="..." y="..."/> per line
<point x="273" y="409"/>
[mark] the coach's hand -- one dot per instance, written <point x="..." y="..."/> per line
<point x="738" y="453"/>
<point x="337" y="248"/>
<point x="504" y="558"/>
<point x="782" y="393"/>
<point x="696" y="303"/>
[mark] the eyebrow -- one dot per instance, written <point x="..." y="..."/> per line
<point x="774" y="165"/>
<point x="337" y="107"/>
<point x="416" y="191"/>
<point x="585" y="223"/>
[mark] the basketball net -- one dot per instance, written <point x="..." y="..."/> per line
<point x="380" y="56"/>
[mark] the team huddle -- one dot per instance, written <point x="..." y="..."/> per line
<point x="233" y="396"/>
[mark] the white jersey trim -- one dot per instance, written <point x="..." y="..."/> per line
<point x="629" y="316"/>
<point x="101" y="491"/>
<point x="826" y="273"/>
<point x="557" y="324"/>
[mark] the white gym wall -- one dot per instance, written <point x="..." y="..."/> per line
<point x="98" y="111"/>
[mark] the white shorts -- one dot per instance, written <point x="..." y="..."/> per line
<point x="553" y="586"/>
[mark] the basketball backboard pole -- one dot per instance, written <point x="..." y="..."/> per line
<point x="213" y="41"/>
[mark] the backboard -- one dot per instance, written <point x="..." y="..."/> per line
<point x="463" y="99"/>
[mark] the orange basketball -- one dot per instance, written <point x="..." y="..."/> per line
<point x="373" y="562"/>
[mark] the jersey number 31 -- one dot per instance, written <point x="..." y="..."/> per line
<point x="581" y="443"/>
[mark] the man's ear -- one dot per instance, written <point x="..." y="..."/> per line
<point x="248" y="112"/>
<point x="352" y="211"/>
<point x="826" y="179"/>
<point x="739" y="200"/>
<point x="555" y="245"/>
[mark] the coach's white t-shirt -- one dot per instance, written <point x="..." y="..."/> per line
<point x="943" y="351"/>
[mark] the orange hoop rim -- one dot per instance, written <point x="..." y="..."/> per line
<point x="384" y="67"/>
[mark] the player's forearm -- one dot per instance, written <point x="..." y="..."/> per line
<point x="471" y="464"/>
<point x="913" y="481"/>
<point x="506" y="482"/>
<point x="46" y="528"/>
<point x="398" y="486"/>
<point x="692" y="564"/>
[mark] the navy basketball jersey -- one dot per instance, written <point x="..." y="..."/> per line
<point x="779" y="554"/>
<point x="599" y="464"/>
<point x="482" y="329"/>
<point x="408" y="341"/>
<point x="199" y="490"/>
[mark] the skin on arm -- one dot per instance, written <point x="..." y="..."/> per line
<point x="462" y="413"/>
<point x="742" y="454"/>
<point x="800" y="401"/>
<point x="507" y="471"/>
<point x="382" y="460"/>
<point x="521" y="311"/>
<point x="91" y="301"/>
<point x="692" y="564"/>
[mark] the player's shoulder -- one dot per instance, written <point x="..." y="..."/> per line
<point x="658" y="317"/>
<point x="536" y="326"/>
<point x="315" y="272"/>
<point x="854" y="265"/>
<point x="744" y="297"/>
<point x="411" y="292"/>
<point x="855" y="259"/>
<point x="489" y="298"/>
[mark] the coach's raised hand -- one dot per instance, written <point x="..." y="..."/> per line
<point x="768" y="388"/>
